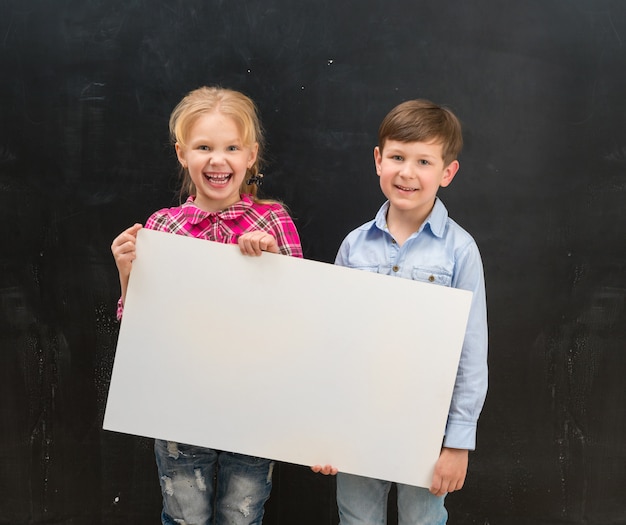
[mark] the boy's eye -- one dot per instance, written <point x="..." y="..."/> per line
<point x="397" y="157"/>
<point x="203" y="148"/>
<point x="424" y="162"/>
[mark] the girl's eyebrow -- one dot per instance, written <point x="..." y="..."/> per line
<point x="236" y="141"/>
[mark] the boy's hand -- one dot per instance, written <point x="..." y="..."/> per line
<point x="256" y="242"/>
<point x="326" y="469"/>
<point x="450" y="471"/>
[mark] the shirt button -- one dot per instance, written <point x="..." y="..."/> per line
<point x="431" y="278"/>
<point x="395" y="268"/>
<point x="393" y="241"/>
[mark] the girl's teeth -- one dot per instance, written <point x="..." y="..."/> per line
<point x="218" y="178"/>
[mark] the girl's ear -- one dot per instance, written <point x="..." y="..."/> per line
<point x="254" y="151"/>
<point x="180" y="153"/>
<point x="448" y="173"/>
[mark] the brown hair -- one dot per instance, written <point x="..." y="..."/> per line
<point x="419" y="121"/>
<point x="228" y="102"/>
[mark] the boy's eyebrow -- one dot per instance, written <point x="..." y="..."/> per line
<point x="397" y="150"/>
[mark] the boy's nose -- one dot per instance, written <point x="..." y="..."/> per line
<point x="407" y="171"/>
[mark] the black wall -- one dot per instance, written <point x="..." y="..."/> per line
<point x="86" y="88"/>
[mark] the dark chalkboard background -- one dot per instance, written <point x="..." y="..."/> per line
<point x="86" y="88"/>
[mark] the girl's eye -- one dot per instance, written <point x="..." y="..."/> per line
<point x="233" y="148"/>
<point x="203" y="148"/>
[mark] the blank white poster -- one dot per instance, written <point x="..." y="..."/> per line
<point x="287" y="359"/>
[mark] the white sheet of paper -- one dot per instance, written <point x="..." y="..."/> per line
<point x="285" y="358"/>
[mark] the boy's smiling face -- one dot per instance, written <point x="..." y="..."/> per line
<point x="411" y="173"/>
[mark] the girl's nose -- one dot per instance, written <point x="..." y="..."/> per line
<point x="216" y="157"/>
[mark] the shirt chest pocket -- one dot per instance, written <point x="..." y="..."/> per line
<point x="432" y="275"/>
<point x="373" y="269"/>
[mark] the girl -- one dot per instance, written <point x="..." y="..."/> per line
<point x="217" y="137"/>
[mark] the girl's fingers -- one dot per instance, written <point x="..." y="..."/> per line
<point x="255" y="243"/>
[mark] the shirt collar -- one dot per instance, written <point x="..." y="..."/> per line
<point x="436" y="220"/>
<point x="195" y="215"/>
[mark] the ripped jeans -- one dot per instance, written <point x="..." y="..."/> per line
<point x="202" y="486"/>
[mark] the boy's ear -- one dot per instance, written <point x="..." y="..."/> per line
<point x="448" y="173"/>
<point x="378" y="156"/>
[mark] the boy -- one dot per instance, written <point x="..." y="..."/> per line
<point x="413" y="237"/>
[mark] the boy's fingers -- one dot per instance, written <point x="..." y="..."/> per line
<point x="435" y="486"/>
<point x="326" y="469"/>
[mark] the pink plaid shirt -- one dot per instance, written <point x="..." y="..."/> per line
<point x="228" y="225"/>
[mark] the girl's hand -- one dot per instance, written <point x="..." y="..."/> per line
<point x="123" y="249"/>
<point x="256" y="242"/>
<point x="326" y="469"/>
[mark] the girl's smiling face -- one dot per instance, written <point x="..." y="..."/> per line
<point x="217" y="160"/>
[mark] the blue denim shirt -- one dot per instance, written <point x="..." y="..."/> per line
<point x="443" y="253"/>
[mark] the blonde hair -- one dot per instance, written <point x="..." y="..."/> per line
<point x="230" y="103"/>
<point x="419" y="121"/>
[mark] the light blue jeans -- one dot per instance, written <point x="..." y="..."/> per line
<point x="202" y="486"/>
<point x="363" y="501"/>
